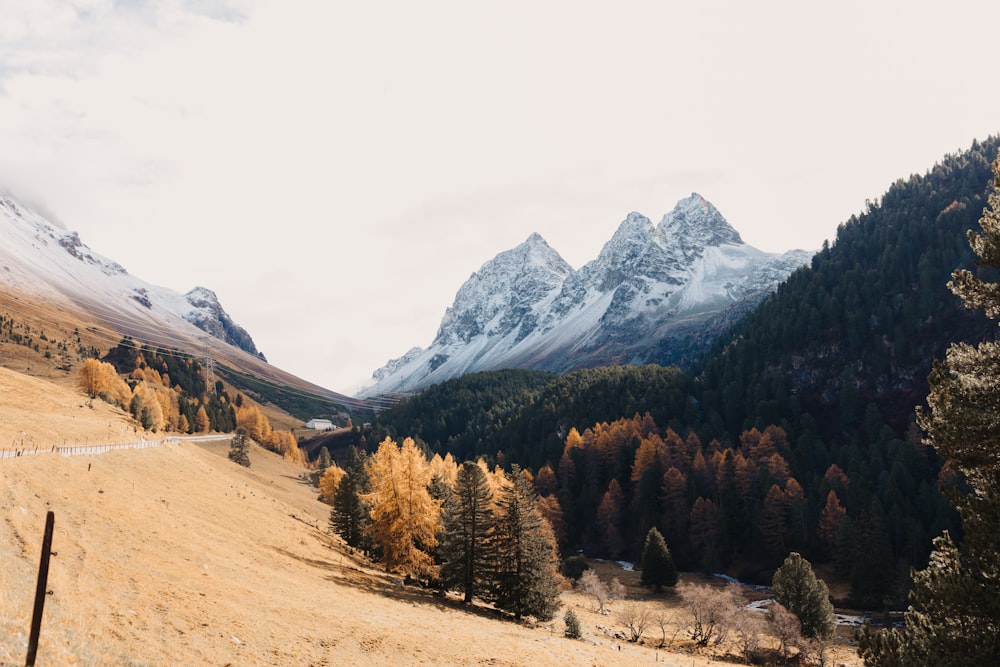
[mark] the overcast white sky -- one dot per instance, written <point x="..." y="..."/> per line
<point x="336" y="170"/>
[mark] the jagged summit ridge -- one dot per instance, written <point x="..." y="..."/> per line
<point x="499" y="297"/>
<point x="651" y="291"/>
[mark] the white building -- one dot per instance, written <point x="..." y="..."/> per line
<point x="320" y="424"/>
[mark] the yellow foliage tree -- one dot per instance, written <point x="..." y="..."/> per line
<point x="498" y="482"/>
<point x="444" y="469"/>
<point x="329" y="482"/>
<point x="153" y="419"/>
<point x="201" y="421"/>
<point x="169" y="407"/>
<point x="257" y="425"/>
<point x="98" y="378"/>
<point x="289" y="447"/>
<point x="404" y="516"/>
<point x="89" y="377"/>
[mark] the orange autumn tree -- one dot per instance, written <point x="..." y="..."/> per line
<point x="404" y="516"/>
<point x="329" y="482"/>
<point x="201" y="421"/>
<point x="100" y="379"/>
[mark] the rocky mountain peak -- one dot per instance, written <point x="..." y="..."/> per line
<point x="696" y="223"/>
<point x="510" y="285"/>
<point x="209" y="316"/>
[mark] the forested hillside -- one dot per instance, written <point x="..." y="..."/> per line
<point x="171" y="391"/>
<point x="798" y="433"/>
<point x="864" y="322"/>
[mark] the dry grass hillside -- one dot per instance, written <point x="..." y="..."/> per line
<point x="175" y="556"/>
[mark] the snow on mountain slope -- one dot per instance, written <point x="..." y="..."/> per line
<point x="654" y="294"/>
<point x="41" y="259"/>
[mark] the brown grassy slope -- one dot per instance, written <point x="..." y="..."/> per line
<point x="175" y="556"/>
<point x="36" y="413"/>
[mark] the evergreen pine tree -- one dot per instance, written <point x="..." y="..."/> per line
<point x="323" y="461"/>
<point x="954" y="616"/>
<point x="348" y="517"/>
<point x="797" y="588"/>
<point x="658" y="569"/>
<point x="466" y="541"/>
<point x="527" y="577"/>
<point x="573" y="630"/>
<point x="239" y="448"/>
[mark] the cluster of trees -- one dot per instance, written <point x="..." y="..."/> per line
<point x="868" y="503"/>
<point x="258" y="428"/>
<point x="457" y="527"/>
<point x="154" y="406"/>
<point x="169" y="391"/>
<point x="800" y="616"/>
<point x="617" y="480"/>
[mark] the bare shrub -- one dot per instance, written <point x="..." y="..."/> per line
<point x="747" y="629"/>
<point x="663" y="620"/>
<point x="616" y="590"/>
<point x="712" y="610"/>
<point x="591" y="585"/>
<point x="786" y="627"/>
<point x="635" y="617"/>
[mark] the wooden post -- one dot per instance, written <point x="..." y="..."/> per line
<point x="43" y="578"/>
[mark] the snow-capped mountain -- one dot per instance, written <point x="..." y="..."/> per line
<point x="39" y="258"/>
<point x="51" y="280"/>
<point x="655" y="294"/>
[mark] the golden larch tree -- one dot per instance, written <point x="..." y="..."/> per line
<point x="154" y="420"/>
<point x="329" y="482"/>
<point x="286" y="443"/>
<point x="201" y="421"/>
<point x="89" y="377"/>
<point x="404" y="516"/>
<point x="445" y="469"/>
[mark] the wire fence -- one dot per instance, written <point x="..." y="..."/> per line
<point x="78" y="450"/>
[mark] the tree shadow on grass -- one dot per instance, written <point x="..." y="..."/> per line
<point x="298" y="478"/>
<point x="349" y="570"/>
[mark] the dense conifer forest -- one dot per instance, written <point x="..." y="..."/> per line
<point x="796" y="432"/>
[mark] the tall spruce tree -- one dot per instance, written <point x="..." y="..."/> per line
<point x="954" y="615"/>
<point x="658" y="569"/>
<point x="323" y="461"/>
<point x="349" y="516"/>
<point x="796" y="587"/>
<point x="527" y="577"/>
<point x="466" y="548"/>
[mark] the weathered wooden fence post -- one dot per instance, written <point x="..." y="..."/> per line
<point x="43" y="579"/>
